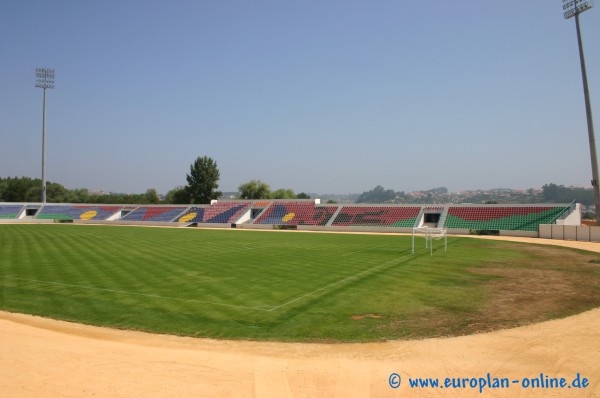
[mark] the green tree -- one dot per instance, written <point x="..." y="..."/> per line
<point x="179" y="196"/>
<point x="560" y="194"/>
<point x="203" y="180"/>
<point x="377" y="195"/>
<point x="551" y="192"/>
<point x="303" y="195"/>
<point x="56" y="193"/>
<point x="20" y="189"/>
<point x="254" y="189"/>
<point x="151" y="196"/>
<point x="25" y="189"/>
<point x="283" y="194"/>
<point x="81" y="195"/>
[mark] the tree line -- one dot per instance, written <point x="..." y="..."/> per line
<point x="550" y="193"/>
<point x="25" y="189"/>
<point x="203" y="183"/>
<point x="202" y="187"/>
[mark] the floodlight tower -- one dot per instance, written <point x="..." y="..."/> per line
<point x="572" y="8"/>
<point x="44" y="78"/>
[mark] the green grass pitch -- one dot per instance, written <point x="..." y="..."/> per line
<point x="286" y="286"/>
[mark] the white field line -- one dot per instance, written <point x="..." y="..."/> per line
<point x="394" y="261"/>
<point x="135" y="294"/>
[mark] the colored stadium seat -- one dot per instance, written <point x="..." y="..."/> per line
<point x="76" y="212"/>
<point x="225" y="212"/>
<point x="523" y="218"/>
<point x="10" y="211"/>
<point x="154" y="213"/>
<point x="377" y="216"/>
<point x="193" y="214"/>
<point x="296" y="213"/>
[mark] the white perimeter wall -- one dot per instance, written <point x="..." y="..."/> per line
<point x="581" y="233"/>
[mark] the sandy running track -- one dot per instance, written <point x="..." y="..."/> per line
<point x="47" y="358"/>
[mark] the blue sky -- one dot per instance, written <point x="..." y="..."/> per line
<point x="333" y="96"/>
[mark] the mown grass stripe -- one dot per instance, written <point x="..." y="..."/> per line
<point x="130" y="293"/>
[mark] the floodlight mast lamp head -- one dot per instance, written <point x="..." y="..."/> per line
<point x="575" y="7"/>
<point x="44" y="78"/>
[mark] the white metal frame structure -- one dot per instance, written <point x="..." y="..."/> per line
<point x="430" y="234"/>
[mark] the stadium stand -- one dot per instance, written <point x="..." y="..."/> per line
<point x="76" y="212"/>
<point x="380" y="216"/>
<point x="193" y="214"/>
<point x="497" y="218"/>
<point x="524" y="220"/>
<point x="225" y="212"/>
<point x="296" y="213"/>
<point x="154" y="213"/>
<point x="10" y="211"/>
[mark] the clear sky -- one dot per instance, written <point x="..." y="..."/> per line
<point x="333" y="96"/>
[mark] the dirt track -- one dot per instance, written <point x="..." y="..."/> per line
<point x="47" y="358"/>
